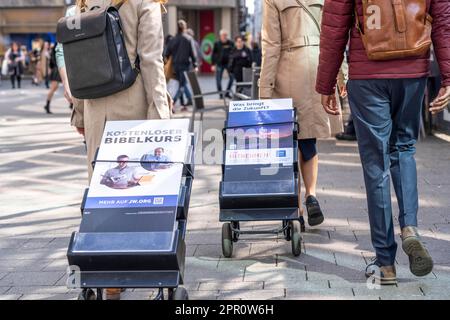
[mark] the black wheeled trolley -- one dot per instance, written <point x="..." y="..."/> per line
<point x="260" y="171"/>
<point x="132" y="234"/>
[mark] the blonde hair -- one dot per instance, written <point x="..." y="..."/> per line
<point x="83" y="5"/>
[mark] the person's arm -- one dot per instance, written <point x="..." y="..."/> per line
<point x="440" y="11"/>
<point x="192" y="53"/>
<point x="337" y="21"/>
<point x="169" y="49"/>
<point x="215" y="54"/>
<point x="77" y="118"/>
<point x="271" y="49"/>
<point x="59" y="54"/>
<point x="150" y="49"/>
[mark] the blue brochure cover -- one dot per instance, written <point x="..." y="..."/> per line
<point x="259" y="160"/>
<point x="259" y="112"/>
<point x="137" y="176"/>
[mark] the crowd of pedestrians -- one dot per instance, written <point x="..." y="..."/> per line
<point x="39" y="63"/>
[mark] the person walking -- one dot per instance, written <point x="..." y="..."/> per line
<point x="182" y="52"/>
<point x="221" y="61"/>
<point x="146" y="98"/>
<point x="34" y="59"/>
<point x="386" y="98"/>
<point x="55" y="80"/>
<point x="240" y="58"/>
<point x="290" y="55"/>
<point x="43" y="64"/>
<point x="16" y="64"/>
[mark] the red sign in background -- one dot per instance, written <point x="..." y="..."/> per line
<point x="207" y="38"/>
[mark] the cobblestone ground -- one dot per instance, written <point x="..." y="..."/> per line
<point x="43" y="176"/>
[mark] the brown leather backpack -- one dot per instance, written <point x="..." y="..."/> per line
<point x="395" y="29"/>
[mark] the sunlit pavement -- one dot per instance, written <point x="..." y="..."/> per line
<point x="43" y="175"/>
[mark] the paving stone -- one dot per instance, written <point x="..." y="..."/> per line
<point x="388" y="291"/>
<point x="12" y="243"/>
<point x="10" y="296"/>
<point x="232" y="285"/>
<point x="267" y="272"/>
<point x="61" y="297"/>
<point x="252" y="294"/>
<point x="310" y="285"/>
<point x="204" y="295"/>
<point x="31" y="278"/>
<point x="37" y="290"/>
<point x="323" y="294"/>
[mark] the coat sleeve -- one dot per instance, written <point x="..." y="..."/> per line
<point x="271" y="49"/>
<point x="150" y="50"/>
<point x="336" y="24"/>
<point x="440" y="11"/>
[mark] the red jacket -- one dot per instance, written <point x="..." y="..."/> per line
<point x="338" y="25"/>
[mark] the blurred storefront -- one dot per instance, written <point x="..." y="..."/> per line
<point x="206" y="18"/>
<point x="24" y="21"/>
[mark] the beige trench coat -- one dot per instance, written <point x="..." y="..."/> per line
<point x="290" y="44"/>
<point x="147" y="98"/>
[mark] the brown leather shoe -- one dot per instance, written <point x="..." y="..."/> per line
<point x="420" y="261"/>
<point x="386" y="275"/>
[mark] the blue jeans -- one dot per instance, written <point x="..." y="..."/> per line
<point x="183" y="88"/>
<point x="219" y="75"/>
<point x="386" y="115"/>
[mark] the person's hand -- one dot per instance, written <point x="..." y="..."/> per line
<point x="170" y="102"/>
<point x="196" y="69"/>
<point x="213" y="68"/>
<point x="343" y="91"/>
<point x="68" y="94"/>
<point x="330" y="105"/>
<point x="442" y="100"/>
<point x="81" y="131"/>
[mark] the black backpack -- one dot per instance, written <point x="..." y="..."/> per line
<point x="96" y="59"/>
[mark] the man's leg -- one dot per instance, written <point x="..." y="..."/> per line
<point x="370" y="105"/>
<point x="180" y="77"/>
<point x="230" y="82"/>
<point x="406" y="110"/>
<point x="219" y="75"/>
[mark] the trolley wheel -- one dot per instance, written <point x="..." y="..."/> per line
<point x="87" y="294"/>
<point x="227" y="240"/>
<point x="180" y="294"/>
<point x="296" y="239"/>
<point x="236" y="226"/>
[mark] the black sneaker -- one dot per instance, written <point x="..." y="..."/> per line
<point x="315" y="215"/>
<point x="346" y="137"/>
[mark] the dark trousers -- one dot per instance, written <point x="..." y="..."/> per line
<point x="183" y="88"/>
<point x="219" y="75"/>
<point x="386" y="115"/>
<point x="350" y="127"/>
